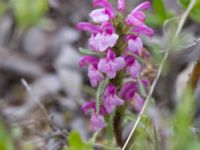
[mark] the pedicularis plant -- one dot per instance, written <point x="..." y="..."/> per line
<point x="113" y="62"/>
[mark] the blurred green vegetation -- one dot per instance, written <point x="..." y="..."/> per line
<point x="195" y="13"/>
<point x="160" y="14"/>
<point x="6" y="143"/>
<point x="26" y="12"/>
<point x="76" y="142"/>
<point x="29" y="12"/>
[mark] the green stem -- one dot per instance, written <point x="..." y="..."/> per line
<point x="110" y="128"/>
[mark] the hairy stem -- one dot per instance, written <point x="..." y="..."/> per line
<point x="117" y="128"/>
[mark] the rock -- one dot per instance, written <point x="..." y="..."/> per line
<point x="68" y="57"/>
<point x="71" y="81"/>
<point x="36" y="42"/>
<point x="67" y="35"/>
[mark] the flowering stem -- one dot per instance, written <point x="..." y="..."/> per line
<point x="110" y="128"/>
<point x="117" y="127"/>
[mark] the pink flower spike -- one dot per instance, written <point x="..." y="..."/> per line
<point x="121" y="5"/>
<point x="97" y="122"/>
<point x="135" y="45"/>
<point x="99" y="15"/>
<point x="111" y="64"/>
<point x="94" y="75"/>
<point x="110" y="99"/>
<point x="143" y="29"/>
<point x="85" y="26"/>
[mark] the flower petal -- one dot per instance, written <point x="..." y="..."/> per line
<point x="121" y="5"/>
<point x="118" y="63"/>
<point x="143" y="6"/>
<point x="94" y="75"/>
<point x="134" y="69"/>
<point x="86" y="60"/>
<point x="128" y="90"/>
<point x="97" y="122"/>
<point x="143" y="29"/>
<point x="88" y="27"/>
<point x="135" y="45"/>
<point x="105" y="4"/>
<point x="99" y="15"/>
<point x="90" y="105"/>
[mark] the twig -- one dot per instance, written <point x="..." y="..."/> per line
<point x="148" y="98"/>
<point x="184" y="17"/>
<point x="29" y="90"/>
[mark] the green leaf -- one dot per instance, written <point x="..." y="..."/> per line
<point x="160" y="10"/>
<point x="100" y="90"/>
<point x="29" y="12"/>
<point x="6" y="142"/>
<point x="89" y="52"/>
<point x="195" y="12"/>
<point x="76" y="143"/>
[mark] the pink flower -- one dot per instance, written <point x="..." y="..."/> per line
<point x="111" y="64"/>
<point x="97" y="122"/>
<point x="121" y="5"/>
<point x="135" y="44"/>
<point x="128" y="90"/>
<point x="91" y="105"/>
<point x="133" y="67"/>
<point x="93" y="73"/>
<point x="137" y="17"/>
<point x="102" y="41"/>
<point x="105" y="39"/>
<point x="110" y="99"/>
